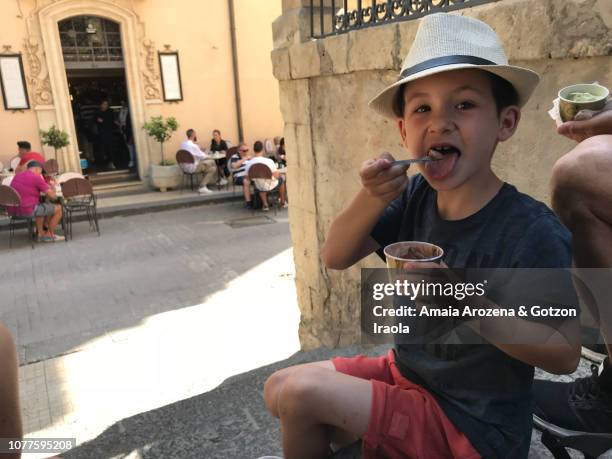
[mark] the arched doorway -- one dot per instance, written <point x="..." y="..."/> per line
<point x="93" y="59"/>
<point x="60" y="113"/>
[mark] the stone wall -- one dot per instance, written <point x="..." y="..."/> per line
<point x="324" y="89"/>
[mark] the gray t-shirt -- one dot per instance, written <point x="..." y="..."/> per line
<point x="483" y="391"/>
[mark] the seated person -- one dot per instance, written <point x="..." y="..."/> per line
<point x="238" y="163"/>
<point x="24" y="151"/>
<point x="218" y="145"/>
<point x="281" y="155"/>
<point x="264" y="186"/>
<point x="429" y="400"/>
<point x="203" y="163"/>
<point x="30" y="185"/>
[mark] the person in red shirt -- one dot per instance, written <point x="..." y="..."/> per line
<point x="30" y="185"/>
<point x="24" y="151"/>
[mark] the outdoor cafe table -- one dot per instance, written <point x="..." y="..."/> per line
<point x="4" y="175"/>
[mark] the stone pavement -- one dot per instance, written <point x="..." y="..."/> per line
<point x="229" y="422"/>
<point x="126" y="340"/>
<point x="161" y="307"/>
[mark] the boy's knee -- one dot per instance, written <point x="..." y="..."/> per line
<point x="272" y="387"/>
<point x="298" y="396"/>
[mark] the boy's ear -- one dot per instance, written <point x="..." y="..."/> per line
<point x="508" y="122"/>
<point x="402" y="128"/>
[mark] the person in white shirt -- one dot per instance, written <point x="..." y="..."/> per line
<point x="263" y="186"/>
<point x="203" y="163"/>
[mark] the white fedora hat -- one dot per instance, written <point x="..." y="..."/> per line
<point x="450" y="42"/>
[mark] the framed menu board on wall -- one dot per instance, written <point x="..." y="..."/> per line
<point x="12" y="80"/>
<point x="171" y="76"/>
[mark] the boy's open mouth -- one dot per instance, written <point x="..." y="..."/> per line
<point x="446" y="157"/>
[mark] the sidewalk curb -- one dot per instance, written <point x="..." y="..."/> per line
<point x="148" y="207"/>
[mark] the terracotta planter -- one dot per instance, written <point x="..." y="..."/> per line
<point x="164" y="177"/>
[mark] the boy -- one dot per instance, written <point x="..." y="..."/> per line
<point x="457" y="95"/>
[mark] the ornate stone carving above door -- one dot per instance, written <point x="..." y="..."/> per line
<point x="37" y="77"/>
<point x="150" y="73"/>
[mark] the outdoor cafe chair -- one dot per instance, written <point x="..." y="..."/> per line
<point x="230" y="180"/>
<point x="557" y="439"/>
<point x="10" y="198"/>
<point x="67" y="176"/>
<point x="261" y="171"/>
<point x="78" y="196"/>
<point x="7" y="180"/>
<point x="51" y="167"/>
<point x="183" y="158"/>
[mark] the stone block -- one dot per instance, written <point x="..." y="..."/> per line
<point x="373" y="48"/>
<point x="523" y="26"/>
<point x="407" y="31"/>
<point x="295" y="4"/>
<point x="305" y="60"/>
<point x="281" y="68"/>
<point x="579" y="29"/>
<point x="292" y="27"/>
<point x="336" y="48"/>
<point x="604" y="9"/>
<point x="295" y="101"/>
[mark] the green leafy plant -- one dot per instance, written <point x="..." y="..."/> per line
<point x="161" y="130"/>
<point x="54" y="137"/>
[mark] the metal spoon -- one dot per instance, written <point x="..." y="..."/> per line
<point x="407" y="162"/>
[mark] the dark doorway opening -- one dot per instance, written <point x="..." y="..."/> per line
<point x="93" y="58"/>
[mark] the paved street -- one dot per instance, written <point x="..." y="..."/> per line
<point x="127" y="341"/>
<point x="161" y="307"/>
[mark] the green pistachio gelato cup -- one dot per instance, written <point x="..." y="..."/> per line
<point x="578" y="97"/>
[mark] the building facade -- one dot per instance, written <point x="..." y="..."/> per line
<point x="76" y="52"/>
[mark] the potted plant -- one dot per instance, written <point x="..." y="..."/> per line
<point x="55" y="138"/>
<point x="166" y="174"/>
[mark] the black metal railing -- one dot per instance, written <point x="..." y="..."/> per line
<point x="333" y="17"/>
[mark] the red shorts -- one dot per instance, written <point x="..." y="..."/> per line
<point x="406" y="421"/>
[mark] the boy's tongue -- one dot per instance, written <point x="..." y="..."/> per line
<point x="443" y="166"/>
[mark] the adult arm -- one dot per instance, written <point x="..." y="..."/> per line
<point x="44" y="187"/>
<point x="348" y="239"/>
<point x="237" y="163"/>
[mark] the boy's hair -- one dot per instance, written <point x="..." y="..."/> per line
<point x="189" y="133"/>
<point x="503" y="93"/>
<point x="24" y="145"/>
<point x="216" y="131"/>
<point x="258" y="147"/>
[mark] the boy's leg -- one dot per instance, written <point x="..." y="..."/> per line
<point x="273" y="387"/>
<point x="10" y="416"/>
<point x="313" y="401"/>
